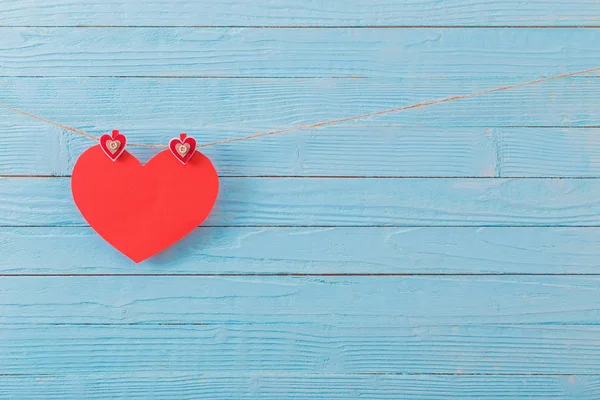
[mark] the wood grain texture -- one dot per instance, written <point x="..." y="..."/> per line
<point x="297" y="386"/>
<point x="323" y="272"/>
<point x="345" y="202"/>
<point x="162" y="350"/>
<point x="474" y="137"/>
<point x="43" y="251"/>
<point x="298" y="13"/>
<point x="239" y="52"/>
<point x="356" y="150"/>
<point x="548" y="152"/>
<point x="348" y="301"/>
<point x="518" y="325"/>
<point x="213" y="106"/>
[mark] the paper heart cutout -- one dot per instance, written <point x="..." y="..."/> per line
<point x="183" y="148"/>
<point x="113" y="145"/>
<point x="143" y="209"/>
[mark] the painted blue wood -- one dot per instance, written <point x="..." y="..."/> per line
<point x="223" y="108"/>
<point x="312" y="325"/>
<point x="295" y="386"/>
<point x="238" y="52"/>
<point x="337" y="302"/>
<point x="345" y="202"/>
<point x="313" y="251"/>
<point x="307" y="348"/>
<point x="474" y="137"/>
<point x="298" y="13"/>
<point x="549" y="152"/>
<point x="355" y="150"/>
<point x="324" y="335"/>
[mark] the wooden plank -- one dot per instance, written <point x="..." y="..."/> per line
<point x="335" y="151"/>
<point x="42" y="251"/>
<point x="298" y="386"/>
<point x="213" y="106"/>
<point x="461" y="138"/>
<point x="299" y="13"/>
<point x="374" y="302"/>
<point x="238" y="52"/>
<point x="385" y="325"/>
<point x="548" y="152"/>
<point x="345" y="202"/>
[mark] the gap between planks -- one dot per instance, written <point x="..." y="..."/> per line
<point x="285" y="274"/>
<point x="257" y="77"/>
<point x="347" y="177"/>
<point x="308" y="26"/>
<point x="334" y="226"/>
<point x="117" y="324"/>
<point x="293" y="374"/>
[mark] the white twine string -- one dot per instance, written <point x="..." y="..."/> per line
<point x="318" y="124"/>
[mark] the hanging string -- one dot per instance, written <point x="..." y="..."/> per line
<point x="323" y="123"/>
<point x="66" y="128"/>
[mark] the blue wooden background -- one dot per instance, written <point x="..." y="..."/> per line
<point x="447" y="252"/>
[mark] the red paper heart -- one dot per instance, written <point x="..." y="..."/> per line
<point x="141" y="210"/>
<point x="117" y="140"/>
<point x="189" y="144"/>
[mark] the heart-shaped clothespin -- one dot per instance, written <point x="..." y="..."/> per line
<point x="183" y="148"/>
<point x="113" y="145"/>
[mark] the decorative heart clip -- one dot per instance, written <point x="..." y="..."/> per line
<point x="183" y="148"/>
<point x="113" y="145"/>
